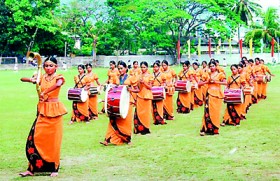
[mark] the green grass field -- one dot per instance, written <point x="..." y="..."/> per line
<point x="171" y="152"/>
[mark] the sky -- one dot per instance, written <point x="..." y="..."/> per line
<point x="268" y="3"/>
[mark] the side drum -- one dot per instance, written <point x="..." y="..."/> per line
<point x="183" y="86"/>
<point x="248" y="90"/>
<point x="77" y="94"/>
<point x="158" y="93"/>
<point x="117" y="101"/>
<point x="94" y="91"/>
<point x="234" y="96"/>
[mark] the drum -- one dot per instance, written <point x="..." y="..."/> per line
<point x="268" y="78"/>
<point x="158" y="93"/>
<point x="248" y="90"/>
<point x="77" y="94"/>
<point x="183" y="86"/>
<point x="94" y="91"/>
<point x="234" y="96"/>
<point x="261" y="78"/>
<point x="117" y="101"/>
<point x="194" y="86"/>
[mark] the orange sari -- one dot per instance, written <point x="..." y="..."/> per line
<point x="168" y="102"/>
<point x="80" y="109"/>
<point x="93" y="100"/>
<point x="143" y="107"/>
<point x="213" y="105"/>
<point x="184" y="100"/>
<point x="119" y="129"/>
<point x="233" y="112"/>
<point x="198" y="95"/>
<point x="44" y="139"/>
<point x="157" y="105"/>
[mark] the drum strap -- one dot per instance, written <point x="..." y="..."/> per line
<point x="156" y="77"/>
<point x="123" y="79"/>
<point x="79" y="81"/>
<point x="184" y="75"/>
<point x="234" y="80"/>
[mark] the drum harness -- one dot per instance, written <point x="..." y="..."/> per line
<point x="80" y="79"/>
<point x="156" y="77"/>
<point x="234" y="80"/>
<point x="184" y="75"/>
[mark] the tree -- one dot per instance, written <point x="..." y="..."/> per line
<point x="246" y="9"/>
<point x="269" y="30"/>
<point x="160" y="23"/>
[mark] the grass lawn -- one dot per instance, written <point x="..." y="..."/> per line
<point x="171" y="152"/>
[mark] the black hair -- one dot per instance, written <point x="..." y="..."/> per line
<point x="257" y="59"/>
<point x="52" y="59"/>
<point x="187" y="63"/>
<point x="234" y="65"/>
<point x="212" y="62"/>
<point x="122" y="63"/>
<point x="204" y="62"/>
<point x="196" y="63"/>
<point x="135" y="62"/>
<point x="88" y="65"/>
<point x="144" y="63"/>
<point x="156" y="63"/>
<point x="165" y="62"/>
<point x="112" y="62"/>
<point x="83" y="67"/>
<point x="240" y="65"/>
<point x="251" y="60"/>
<point x="217" y="61"/>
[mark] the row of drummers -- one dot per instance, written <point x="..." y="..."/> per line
<point x="194" y="86"/>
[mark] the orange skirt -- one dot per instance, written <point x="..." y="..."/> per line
<point x="142" y="116"/>
<point x="44" y="143"/>
<point x="119" y="130"/>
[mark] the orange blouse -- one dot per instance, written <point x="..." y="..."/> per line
<point x="214" y="89"/>
<point x="169" y="74"/>
<point x="113" y="76"/>
<point x="158" y="79"/>
<point x="135" y="72"/>
<point x="145" y="93"/>
<point x="53" y="108"/>
<point x="92" y="78"/>
<point x="81" y="81"/>
<point x="235" y="82"/>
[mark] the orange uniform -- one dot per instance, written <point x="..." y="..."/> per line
<point x="44" y="140"/>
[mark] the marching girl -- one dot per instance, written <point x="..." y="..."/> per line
<point x="184" y="100"/>
<point x="264" y="85"/>
<point x="198" y="95"/>
<point x="119" y="129"/>
<point x="219" y="68"/>
<point x="113" y="76"/>
<point x="157" y="105"/>
<point x="80" y="109"/>
<point x="93" y="99"/>
<point x="233" y="112"/>
<point x="248" y="83"/>
<point x="143" y="102"/>
<point x="44" y="139"/>
<point x="170" y="76"/>
<point x="258" y="73"/>
<point x="135" y="69"/>
<point x="251" y="69"/>
<point x="213" y="101"/>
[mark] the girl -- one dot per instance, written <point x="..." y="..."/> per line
<point x="144" y="102"/>
<point x="198" y="96"/>
<point x="120" y="129"/>
<point x="184" y="100"/>
<point x="93" y="100"/>
<point x="80" y="109"/>
<point x="170" y="76"/>
<point x="44" y="139"/>
<point x="135" y="71"/>
<point x="233" y="112"/>
<point x="157" y="105"/>
<point x="213" y="101"/>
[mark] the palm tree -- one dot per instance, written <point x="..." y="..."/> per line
<point x="269" y="30"/>
<point x="246" y="9"/>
